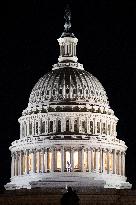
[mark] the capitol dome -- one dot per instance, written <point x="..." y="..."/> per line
<point x="68" y="84"/>
<point x="68" y="131"/>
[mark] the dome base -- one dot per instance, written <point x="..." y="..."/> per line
<point x="77" y="180"/>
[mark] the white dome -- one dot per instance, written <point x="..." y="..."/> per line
<point x="68" y="84"/>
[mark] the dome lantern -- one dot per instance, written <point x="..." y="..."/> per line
<point x="67" y="41"/>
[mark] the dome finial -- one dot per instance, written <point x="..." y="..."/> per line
<point x="67" y="17"/>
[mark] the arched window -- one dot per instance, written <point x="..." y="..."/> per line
<point x="36" y="128"/>
<point x="67" y="125"/>
<point x="109" y="129"/>
<point x="98" y="127"/>
<point x="60" y="91"/>
<point x="25" y="126"/>
<point x="67" y="91"/>
<point x="51" y="126"/>
<point x="43" y="127"/>
<point x="113" y="129"/>
<point x="91" y="127"/>
<point x="75" y="126"/>
<point x="23" y="130"/>
<point x="30" y="128"/>
<point x="53" y="92"/>
<point x="103" y="128"/>
<point x="84" y="126"/>
<point x="59" y="125"/>
<point x="74" y="91"/>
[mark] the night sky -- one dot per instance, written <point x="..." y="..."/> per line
<point x="29" y="47"/>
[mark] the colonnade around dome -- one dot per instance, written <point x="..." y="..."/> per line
<point x="54" y="159"/>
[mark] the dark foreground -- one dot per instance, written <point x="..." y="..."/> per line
<point x="55" y="197"/>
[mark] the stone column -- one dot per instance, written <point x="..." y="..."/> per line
<point x="26" y="162"/>
<point x="101" y="160"/>
<point x="89" y="159"/>
<point x="21" y="129"/>
<point x="45" y="159"/>
<point x="92" y="159"/>
<point x="97" y="160"/>
<point x="114" y="161"/>
<point x="28" y="127"/>
<point x="79" y="159"/>
<point x="104" y="152"/>
<point x="82" y="159"/>
<point x="62" y="159"/>
<point x="94" y="121"/>
<point x="108" y="162"/>
<point x="119" y="163"/>
<point x="72" y="158"/>
<point x="15" y="165"/>
<point x="52" y="161"/>
<point x="38" y="161"/>
<point x="55" y="158"/>
<point x="33" y="161"/>
<point x="20" y="163"/>
<point x="42" y="162"/>
<point x="12" y="165"/>
<point x="123" y="163"/>
<point x="33" y="131"/>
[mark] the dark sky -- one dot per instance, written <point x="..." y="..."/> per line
<point x="28" y="48"/>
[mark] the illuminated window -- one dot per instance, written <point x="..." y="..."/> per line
<point x="67" y="157"/>
<point x="85" y="160"/>
<point x="76" y="159"/>
<point x="58" y="160"/>
<point x="91" y="127"/>
<point x="49" y="160"/>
